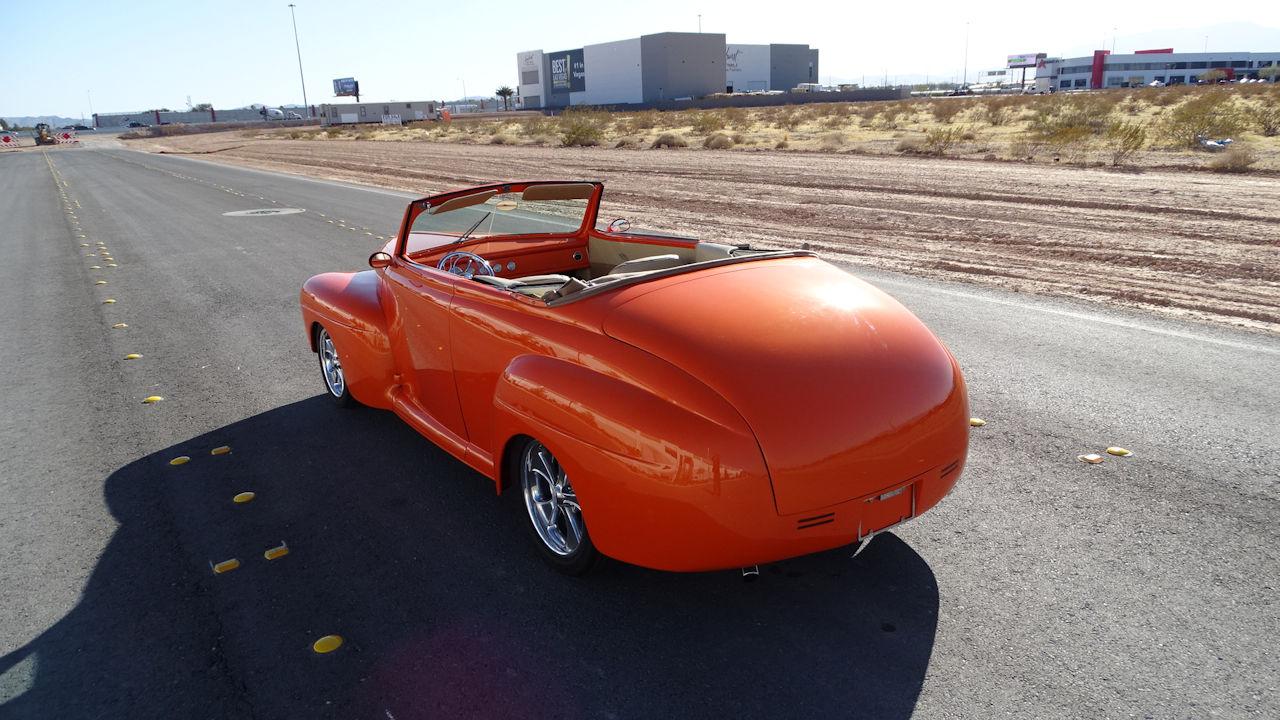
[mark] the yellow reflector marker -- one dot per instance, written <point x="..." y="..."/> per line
<point x="243" y="497"/>
<point x="220" y="450"/>
<point x="152" y="399"/>
<point x="1091" y="458"/>
<point x="226" y="566"/>
<point x="132" y="356"/>
<point x="84" y="244"/>
<point x="120" y="326"/>
<point x="95" y="267"/>
<point x="977" y="422"/>
<point x="112" y="265"/>
<point x="327" y="644"/>
<point x="276" y="552"/>
<point x="100" y="243"/>
<point x="1118" y="452"/>
<point x="180" y="460"/>
<point x="109" y="301"/>
<point x="101" y="282"/>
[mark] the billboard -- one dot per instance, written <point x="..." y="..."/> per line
<point x="568" y="71"/>
<point x="346" y="86"/>
<point x="1026" y="60"/>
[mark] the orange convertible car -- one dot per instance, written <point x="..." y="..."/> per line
<point x="675" y="404"/>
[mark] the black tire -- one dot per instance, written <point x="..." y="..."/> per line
<point x="334" y="383"/>
<point x="578" y="556"/>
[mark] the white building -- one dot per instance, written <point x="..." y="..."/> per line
<point x="1104" y="70"/>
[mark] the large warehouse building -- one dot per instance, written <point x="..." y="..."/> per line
<point x="654" y="68"/>
<point x="1104" y="70"/>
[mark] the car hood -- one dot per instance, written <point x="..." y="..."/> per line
<point x="846" y="391"/>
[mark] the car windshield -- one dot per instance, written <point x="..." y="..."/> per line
<point x="538" y="210"/>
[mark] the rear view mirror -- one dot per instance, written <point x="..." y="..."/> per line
<point x="619" y="225"/>
<point x="379" y="260"/>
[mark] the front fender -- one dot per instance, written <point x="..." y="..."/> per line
<point x="660" y="485"/>
<point x="351" y="307"/>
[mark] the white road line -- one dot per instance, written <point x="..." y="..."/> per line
<point x="1089" y="317"/>
<point x="291" y="176"/>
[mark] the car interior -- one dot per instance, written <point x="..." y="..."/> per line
<point x="535" y="240"/>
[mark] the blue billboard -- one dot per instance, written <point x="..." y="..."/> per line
<point x="568" y="71"/>
<point x="346" y="86"/>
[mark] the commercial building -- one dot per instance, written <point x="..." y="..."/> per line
<point x="1104" y="70"/>
<point x="658" y="68"/>
<point x="753" y="68"/>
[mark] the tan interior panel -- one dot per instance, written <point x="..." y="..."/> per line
<point x="461" y="202"/>
<point x="605" y="254"/>
<point x="566" y="191"/>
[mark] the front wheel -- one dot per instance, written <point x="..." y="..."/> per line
<point x="331" y="368"/>
<point x="555" y="516"/>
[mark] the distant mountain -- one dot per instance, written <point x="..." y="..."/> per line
<point x="54" y="120"/>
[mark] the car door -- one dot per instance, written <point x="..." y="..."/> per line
<point x="421" y="340"/>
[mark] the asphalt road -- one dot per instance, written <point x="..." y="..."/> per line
<point x="1042" y="587"/>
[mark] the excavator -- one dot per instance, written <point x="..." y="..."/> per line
<point x="43" y="135"/>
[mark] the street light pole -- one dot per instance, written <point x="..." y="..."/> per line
<point x="306" y="108"/>
<point x="965" y="80"/>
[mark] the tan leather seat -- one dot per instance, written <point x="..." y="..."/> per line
<point x="647" y="264"/>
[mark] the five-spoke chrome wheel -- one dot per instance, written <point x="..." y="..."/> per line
<point x="331" y="368"/>
<point x="552" y="504"/>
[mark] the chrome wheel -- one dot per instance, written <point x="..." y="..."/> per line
<point x="331" y="365"/>
<point x="553" y="506"/>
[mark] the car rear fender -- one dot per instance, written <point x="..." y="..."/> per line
<point x="644" y="464"/>
<point x="351" y="307"/>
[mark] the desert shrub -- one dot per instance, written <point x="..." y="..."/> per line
<point x="939" y="140"/>
<point x="1124" y="139"/>
<point x="910" y="145"/>
<point x="1237" y="159"/>
<point x="582" y="128"/>
<point x="669" y="140"/>
<point x="888" y="118"/>
<point x="736" y="117"/>
<point x="968" y="133"/>
<point x="944" y="110"/>
<point x="502" y="139"/>
<point x="1265" y="114"/>
<point x="717" y="141"/>
<point x="831" y="140"/>
<point x="627" y="142"/>
<point x="539" y="125"/>
<point x="996" y="111"/>
<point x="643" y="120"/>
<point x="333" y="132"/>
<point x="787" y="119"/>
<point x="1208" y="114"/>
<point x="737" y="138"/>
<point x="707" y="122"/>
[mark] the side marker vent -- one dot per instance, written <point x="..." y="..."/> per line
<point x="816" y="520"/>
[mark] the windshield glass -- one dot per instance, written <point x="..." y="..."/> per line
<point x="540" y="209"/>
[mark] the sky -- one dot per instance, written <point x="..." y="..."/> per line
<point x="72" y="57"/>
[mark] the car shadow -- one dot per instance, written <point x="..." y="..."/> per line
<point x="444" y="607"/>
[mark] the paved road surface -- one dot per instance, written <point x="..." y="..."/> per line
<point x="1043" y="587"/>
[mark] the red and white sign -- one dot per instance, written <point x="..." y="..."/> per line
<point x="67" y="137"/>
<point x="8" y="141"/>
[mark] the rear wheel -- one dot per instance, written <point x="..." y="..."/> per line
<point x="331" y="369"/>
<point x="555" y="516"/>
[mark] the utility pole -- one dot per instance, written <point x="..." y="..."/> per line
<point x="699" y="23"/>
<point x="965" y="80"/>
<point x="306" y="108"/>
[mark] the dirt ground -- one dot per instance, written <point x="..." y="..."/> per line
<point x="1191" y="244"/>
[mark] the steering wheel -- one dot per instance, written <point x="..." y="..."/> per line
<point x="466" y="264"/>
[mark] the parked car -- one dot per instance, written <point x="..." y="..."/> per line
<point x="136" y="124"/>
<point x="675" y="404"/>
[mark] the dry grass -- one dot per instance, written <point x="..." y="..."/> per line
<point x="1140" y="126"/>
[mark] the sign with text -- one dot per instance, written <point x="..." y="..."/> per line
<point x="568" y="71"/>
<point x="346" y="86"/>
<point x="1025" y="60"/>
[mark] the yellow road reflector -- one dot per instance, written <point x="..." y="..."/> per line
<point x="81" y="235"/>
<point x="180" y="460"/>
<point x="152" y="399"/>
<point x="120" y="326"/>
<point x="220" y="450"/>
<point x="101" y="282"/>
<point x="1118" y="452"/>
<point x="84" y="244"/>
<point x="100" y="243"/>
<point x="109" y="301"/>
<point x="226" y="566"/>
<point x="327" y="644"/>
<point x="95" y="267"/>
<point x="109" y="259"/>
<point x="132" y="356"/>
<point x="244" y="497"/>
<point x="276" y="552"/>
<point x="112" y="265"/>
<point x="977" y="422"/>
<point x="1091" y="458"/>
